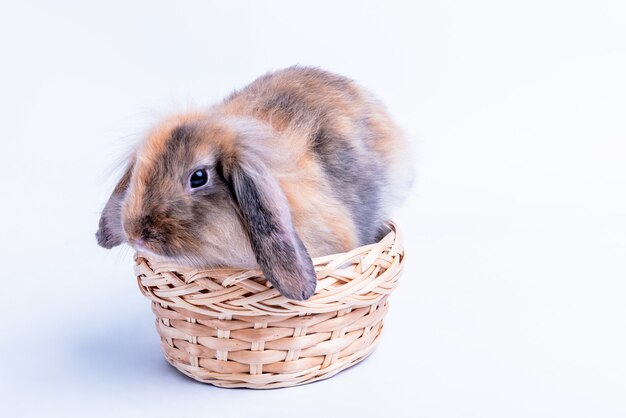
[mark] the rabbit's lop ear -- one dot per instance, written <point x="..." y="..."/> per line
<point x="266" y="216"/>
<point x="110" y="232"/>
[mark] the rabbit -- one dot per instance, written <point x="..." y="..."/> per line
<point x="300" y="163"/>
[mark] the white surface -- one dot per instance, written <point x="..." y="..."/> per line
<point x="512" y="304"/>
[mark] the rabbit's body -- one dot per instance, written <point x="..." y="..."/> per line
<point x="340" y="147"/>
<point x="300" y="158"/>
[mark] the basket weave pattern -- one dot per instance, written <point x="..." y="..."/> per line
<point x="229" y="328"/>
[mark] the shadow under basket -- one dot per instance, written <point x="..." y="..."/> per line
<point x="230" y="328"/>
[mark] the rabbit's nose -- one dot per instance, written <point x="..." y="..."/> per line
<point x="138" y="232"/>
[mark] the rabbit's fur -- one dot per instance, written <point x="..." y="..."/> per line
<point x="301" y="163"/>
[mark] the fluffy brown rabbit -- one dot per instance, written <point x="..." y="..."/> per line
<point x="300" y="163"/>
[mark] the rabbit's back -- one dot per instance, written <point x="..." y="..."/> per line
<point x="346" y="157"/>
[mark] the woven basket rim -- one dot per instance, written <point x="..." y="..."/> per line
<point x="221" y="292"/>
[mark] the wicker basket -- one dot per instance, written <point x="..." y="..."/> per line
<point x="229" y="328"/>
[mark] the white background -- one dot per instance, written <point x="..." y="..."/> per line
<point x="513" y="300"/>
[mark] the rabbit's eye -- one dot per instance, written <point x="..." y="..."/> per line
<point x="198" y="179"/>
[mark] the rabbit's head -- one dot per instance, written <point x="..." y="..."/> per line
<point x="201" y="191"/>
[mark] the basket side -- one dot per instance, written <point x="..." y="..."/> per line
<point x="271" y="353"/>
